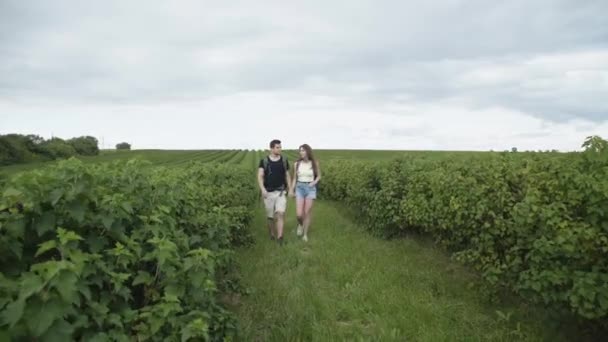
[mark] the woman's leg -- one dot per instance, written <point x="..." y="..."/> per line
<point x="300" y="215"/>
<point x="308" y="203"/>
<point x="300" y="210"/>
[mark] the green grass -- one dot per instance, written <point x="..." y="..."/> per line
<point x="346" y="285"/>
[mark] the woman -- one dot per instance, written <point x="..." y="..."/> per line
<point x="307" y="175"/>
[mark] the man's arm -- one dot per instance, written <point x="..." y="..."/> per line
<point x="261" y="182"/>
<point x="288" y="177"/>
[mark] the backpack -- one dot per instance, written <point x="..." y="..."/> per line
<point x="266" y="163"/>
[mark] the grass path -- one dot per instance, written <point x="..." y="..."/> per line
<point x="346" y="285"/>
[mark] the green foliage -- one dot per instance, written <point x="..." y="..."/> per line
<point x="123" y="146"/>
<point x="15" y="148"/>
<point x="121" y="251"/>
<point x="536" y="224"/>
<point x="57" y="148"/>
<point x="85" y="146"/>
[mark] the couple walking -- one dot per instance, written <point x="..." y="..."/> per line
<point x="276" y="183"/>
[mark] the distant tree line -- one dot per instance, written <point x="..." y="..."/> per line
<point x="18" y="148"/>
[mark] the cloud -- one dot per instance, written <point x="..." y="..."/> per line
<point x="390" y="61"/>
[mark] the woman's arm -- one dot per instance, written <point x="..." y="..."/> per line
<point x="318" y="178"/>
<point x="294" y="178"/>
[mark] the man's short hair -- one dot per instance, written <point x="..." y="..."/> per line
<point x="274" y="143"/>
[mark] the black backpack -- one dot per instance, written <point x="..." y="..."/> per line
<point x="266" y="163"/>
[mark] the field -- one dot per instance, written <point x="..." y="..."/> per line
<point x="405" y="245"/>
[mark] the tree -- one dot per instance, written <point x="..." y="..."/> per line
<point x="15" y="148"/>
<point x="86" y="146"/>
<point x="57" y="148"/>
<point x="123" y="146"/>
<point x="9" y="154"/>
<point x="513" y="149"/>
<point x="595" y="144"/>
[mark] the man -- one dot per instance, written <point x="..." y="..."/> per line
<point x="273" y="177"/>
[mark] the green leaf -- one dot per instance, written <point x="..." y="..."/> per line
<point x="142" y="278"/>
<point x="85" y="291"/>
<point x="46" y="246"/>
<point x="100" y="312"/>
<point x="55" y="195"/>
<point x="196" y="328"/>
<point x="66" y="236"/>
<point x="12" y="193"/>
<point x="101" y="337"/>
<point x="65" y="284"/>
<point x="13" y="312"/>
<point x="96" y="243"/>
<point x="49" y="269"/>
<point x="30" y="284"/>
<point x="60" y="331"/>
<point x="115" y="320"/>
<point x="46" y="223"/>
<point x="3" y="302"/>
<point x="17" y="248"/>
<point x="16" y="228"/>
<point x="127" y="207"/>
<point x="40" y="316"/>
<point x="107" y="221"/>
<point x="77" y="210"/>
<point x="603" y="299"/>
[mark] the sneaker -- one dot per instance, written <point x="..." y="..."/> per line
<point x="271" y="237"/>
<point x="305" y="238"/>
<point x="281" y="242"/>
<point x="299" y="230"/>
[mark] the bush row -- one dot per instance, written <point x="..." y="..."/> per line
<point x="121" y="251"/>
<point x="536" y="224"/>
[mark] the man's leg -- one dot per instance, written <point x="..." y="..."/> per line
<point x="280" y="221"/>
<point x="269" y="203"/>
<point x="271" y="227"/>
<point x="280" y="207"/>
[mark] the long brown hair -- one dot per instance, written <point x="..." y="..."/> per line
<point x="310" y="156"/>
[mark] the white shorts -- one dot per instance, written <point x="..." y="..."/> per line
<point x="276" y="202"/>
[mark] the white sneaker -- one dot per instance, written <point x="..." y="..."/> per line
<point x="299" y="230"/>
<point x="305" y="238"/>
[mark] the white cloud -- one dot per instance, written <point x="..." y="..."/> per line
<point x="250" y="120"/>
<point x="391" y="74"/>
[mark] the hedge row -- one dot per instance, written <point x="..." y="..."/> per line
<point x="536" y="224"/>
<point x="121" y="251"/>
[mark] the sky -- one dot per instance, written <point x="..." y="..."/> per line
<point x="407" y="75"/>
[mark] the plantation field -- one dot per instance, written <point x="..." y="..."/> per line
<point x="182" y="157"/>
<point x="172" y="246"/>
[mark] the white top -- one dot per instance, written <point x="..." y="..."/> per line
<point x="305" y="172"/>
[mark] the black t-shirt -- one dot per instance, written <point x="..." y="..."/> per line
<point x="274" y="174"/>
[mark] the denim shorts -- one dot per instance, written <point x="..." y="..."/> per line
<point x="304" y="190"/>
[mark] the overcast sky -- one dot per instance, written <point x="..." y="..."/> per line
<point x="449" y="74"/>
